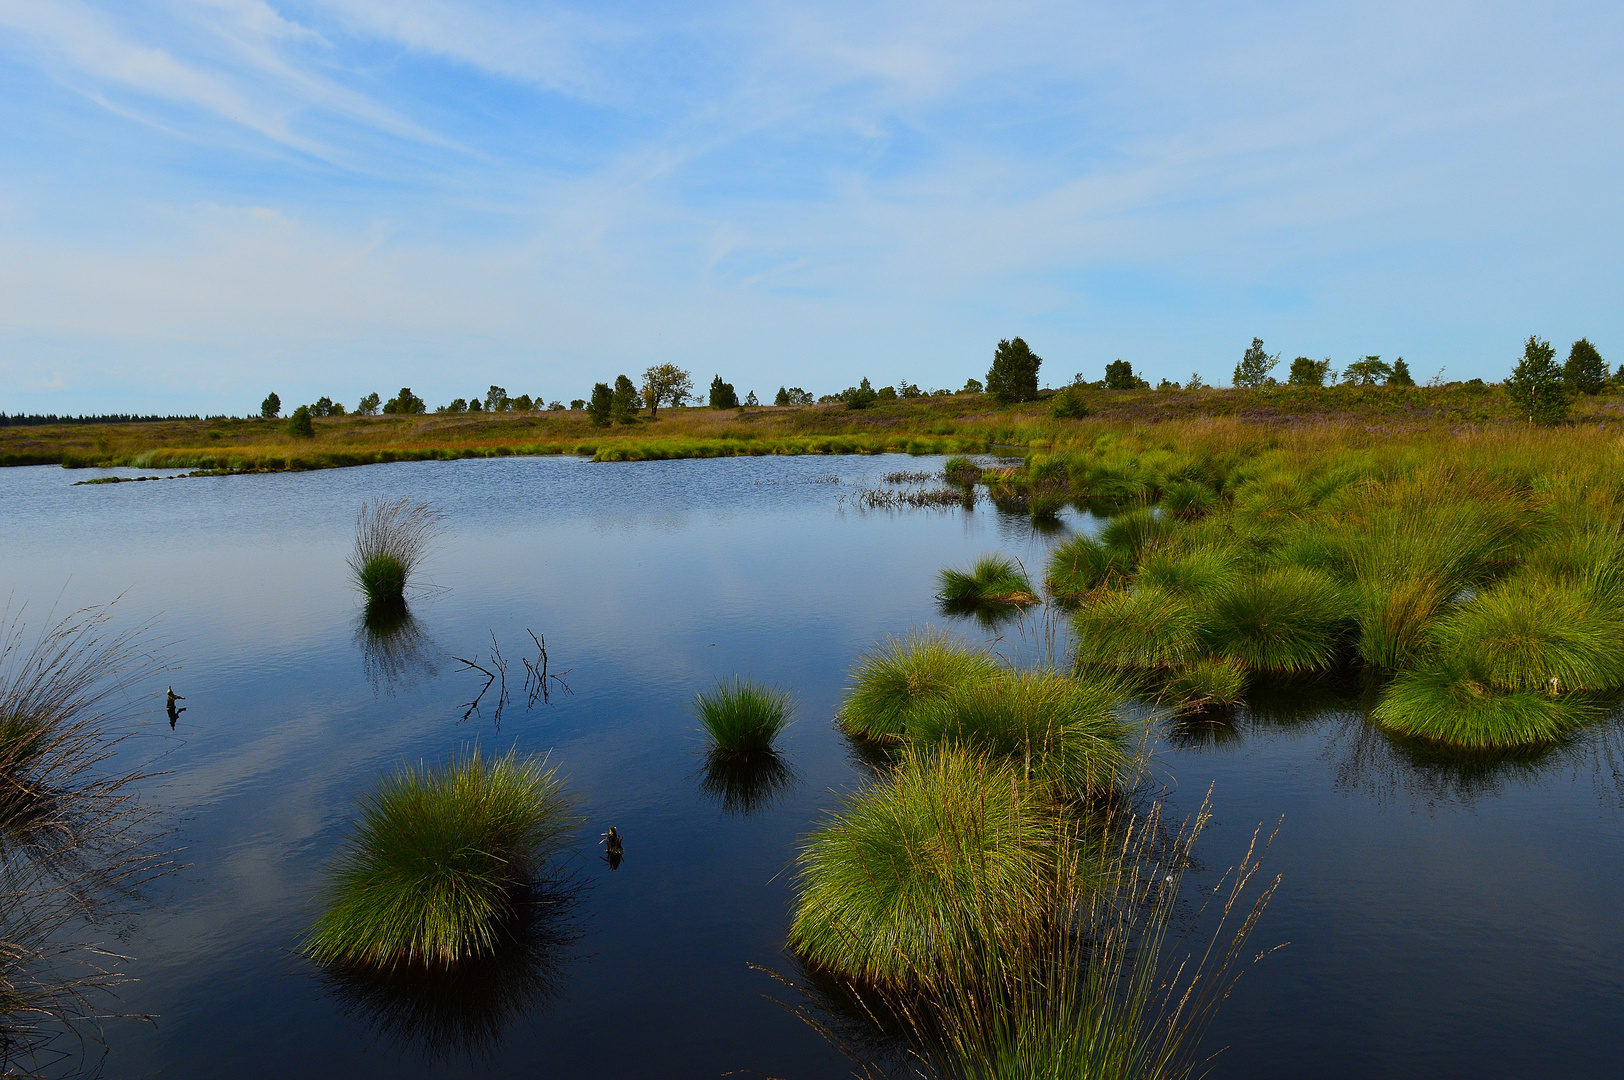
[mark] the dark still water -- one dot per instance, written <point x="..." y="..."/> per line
<point x="1441" y="921"/>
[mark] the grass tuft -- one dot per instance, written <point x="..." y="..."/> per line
<point x="993" y="579"/>
<point x="742" y="718"/>
<point x="892" y="683"/>
<point x="908" y="873"/>
<point x="1446" y="704"/>
<point x="1063" y="731"/>
<point x="1143" y="629"/>
<point x="431" y="875"/>
<point x="1529" y="634"/>
<point x="1206" y="684"/>
<point x="1081" y="565"/>
<point x="1287" y="619"/>
<point x="390" y="539"/>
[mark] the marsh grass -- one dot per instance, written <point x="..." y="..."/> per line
<point x="1142" y="628"/>
<point x="76" y="843"/>
<point x="1064" y="732"/>
<point x="390" y="541"/>
<point x="992" y="579"/>
<point x="1533" y="634"/>
<point x="1285" y="619"/>
<point x="908" y="873"/>
<point x="962" y="471"/>
<point x="438" y="860"/>
<point x="1203" y="684"/>
<point x="1136" y="533"/>
<point x="1082" y="564"/>
<point x="1450" y="705"/>
<point x="893" y="682"/>
<point x="742" y="718"/>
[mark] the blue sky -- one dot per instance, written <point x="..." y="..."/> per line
<point x="202" y="200"/>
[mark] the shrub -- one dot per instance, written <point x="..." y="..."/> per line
<point x="1446" y="704"/>
<point x="1060" y="730"/>
<point x="1119" y="376"/>
<point x="299" y="424"/>
<point x="430" y="875"/>
<point x="1289" y="618"/>
<point x="992" y="579"/>
<point x="894" y="682"/>
<point x="743" y="718"/>
<point x="390" y="538"/>
<point x="1306" y="372"/>
<point x="908" y="874"/>
<point x="1069" y="404"/>
<point x="1143" y="628"/>
<point x="1529" y="634"/>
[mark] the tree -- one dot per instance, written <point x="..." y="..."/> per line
<point x="973" y="386"/>
<point x="752" y="399"/>
<point x="1401" y="374"/>
<point x="782" y="397"/>
<point x="368" y="405"/>
<point x="1367" y="372"/>
<point x="324" y="407"/>
<point x="271" y="407"/>
<point x="860" y="396"/>
<point x="797" y="396"/>
<point x="602" y="406"/>
<point x="496" y="400"/>
<point x="722" y="394"/>
<point x="524" y="403"/>
<point x="1585" y="370"/>
<point x="909" y="390"/>
<point x="577" y="404"/>
<point x="1253" y="370"/>
<point x="1119" y="376"/>
<point x="299" y="423"/>
<point x="626" y="400"/>
<point x="1014" y="372"/>
<point x="458" y="405"/>
<point x="1306" y="372"/>
<point x="1195" y="382"/>
<point x="405" y="403"/>
<point x="886" y="393"/>
<point x="1537" y="385"/>
<point x="1069" y="404"/>
<point x="475" y="405"/>
<point x="665" y="384"/>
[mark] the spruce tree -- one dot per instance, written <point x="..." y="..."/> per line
<point x="1014" y="372"/>
<point x="1585" y="370"/>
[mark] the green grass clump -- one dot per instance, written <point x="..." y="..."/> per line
<point x="1143" y="628"/>
<point x="1448" y="704"/>
<point x="1529" y="634"/>
<point x="1188" y="498"/>
<point x="1136" y="533"/>
<point x="390" y="539"/>
<point x="1081" y="565"/>
<point x="1196" y="571"/>
<point x="908" y="874"/>
<point x="992" y="579"/>
<point x="431" y="874"/>
<point x="1284" y="619"/>
<point x="893" y="683"/>
<point x="1061" y="730"/>
<point x="962" y="471"/>
<point x="1206" y="684"/>
<point x="743" y="718"/>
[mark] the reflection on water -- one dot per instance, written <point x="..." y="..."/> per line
<point x="395" y="650"/>
<point x="745" y="786"/>
<point x="465" y="1011"/>
<point x="989" y="615"/>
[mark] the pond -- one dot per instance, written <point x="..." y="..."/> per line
<point x="1437" y="919"/>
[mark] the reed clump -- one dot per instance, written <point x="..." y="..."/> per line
<point x="390" y="541"/>
<point x="742" y="719"/>
<point x="439" y="860"/>
<point x="907" y="874"/>
<point x="992" y="579"/>
<point x="894" y="683"/>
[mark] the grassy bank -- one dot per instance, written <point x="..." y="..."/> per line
<point x="965" y="423"/>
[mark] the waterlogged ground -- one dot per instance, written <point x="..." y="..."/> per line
<point x="1442" y="920"/>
